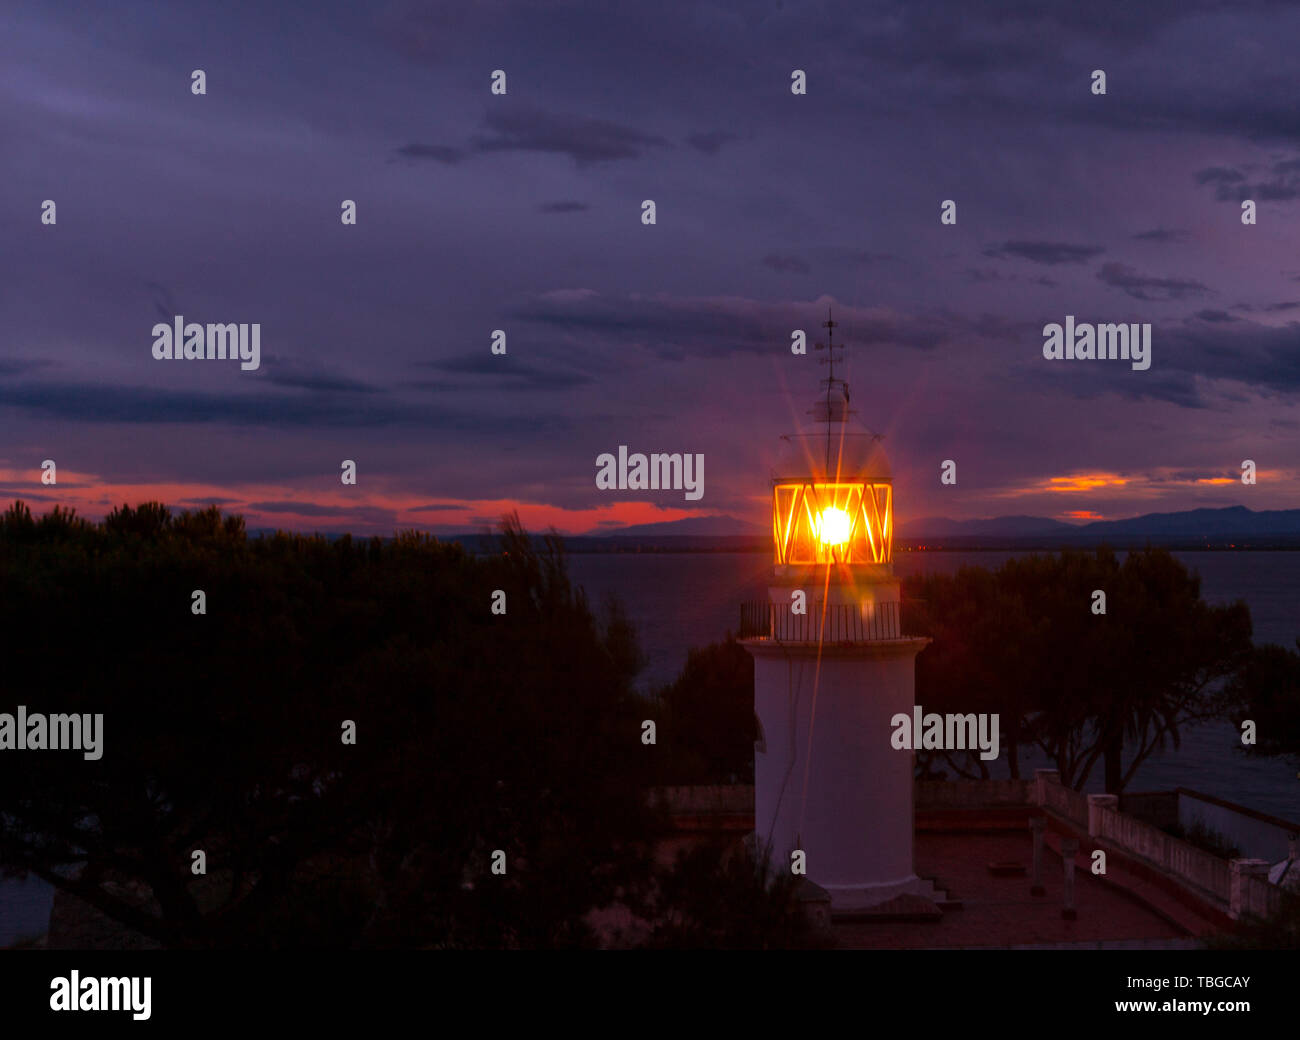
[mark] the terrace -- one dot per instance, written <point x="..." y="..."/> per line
<point x="1015" y="858"/>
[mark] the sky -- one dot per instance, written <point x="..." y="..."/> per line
<point x="523" y="212"/>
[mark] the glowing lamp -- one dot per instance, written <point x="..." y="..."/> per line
<point x="832" y="522"/>
<point x="833" y="526"/>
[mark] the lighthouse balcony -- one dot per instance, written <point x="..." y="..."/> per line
<point x="825" y="623"/>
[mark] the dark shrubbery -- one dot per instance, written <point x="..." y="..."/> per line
<point x="222" y="733"/>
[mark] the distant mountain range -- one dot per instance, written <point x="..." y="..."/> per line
<point x="1232" y="525"/>
<point x="1209" y="523"/>
<point x="941" y="526"/>
<point x="694" y="526"/>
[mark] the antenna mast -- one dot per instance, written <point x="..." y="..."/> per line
<point x="832" y="413"/>
<point x="830" y="347"/>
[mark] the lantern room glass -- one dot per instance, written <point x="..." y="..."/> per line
<point x="823" y="522"/>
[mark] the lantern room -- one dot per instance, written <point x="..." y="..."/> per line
<point x="818" y="522"/>
<point x="832" y="491"/>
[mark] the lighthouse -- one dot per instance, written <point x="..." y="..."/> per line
<point x="832" y="665"/>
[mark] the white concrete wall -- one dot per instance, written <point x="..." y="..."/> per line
<point x="854" y="821"/>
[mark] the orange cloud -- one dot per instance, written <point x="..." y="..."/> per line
<point x="1085" y="482"/>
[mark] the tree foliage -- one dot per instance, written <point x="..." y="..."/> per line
<point x="475" y="733"/>
<point x="1267" y="692"/>
<point x="708" y="724"/>
<point x="1093" y="691"/>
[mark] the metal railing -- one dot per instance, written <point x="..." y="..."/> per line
<point x="828" y="623"/>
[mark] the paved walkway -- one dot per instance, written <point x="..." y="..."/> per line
<point x="1000" y="912"/>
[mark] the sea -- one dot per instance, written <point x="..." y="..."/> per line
<point x="682" y="600"/>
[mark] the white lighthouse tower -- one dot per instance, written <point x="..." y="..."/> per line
<point x="832" y="666"/>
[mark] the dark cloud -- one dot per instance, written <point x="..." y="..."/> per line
<point x="1262" y="356"/>
<point x="583" y="139"/>
<point x="1161" y="235"/>
<point x="563" y="207"/>
<point x="96" y="402"/>
<point x="785" y="264"/>
<point x="1218" y="175"/>
<point x="985" y="275"/>
<point x="21" y="366"/>
<point x="283" y="373"/>
<point x="1045" y="252"/>
<point x="1232" y="185"/>
<point x="103" y="403"/>
<point x="1097" y="379"/>
<point x="1205" y="108"/>
<point x="675" y="328"/>
<point x="1216" y="316"/>
<point x="1144" y="287"/>
<point x="1117" y="21"/>
<point x="709" y="143"/>
<point x="1011" y="53"/>
<point x="502" y="372"/>
<point x="1194" y="364"/>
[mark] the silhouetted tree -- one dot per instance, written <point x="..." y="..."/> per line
<point x="1267" y="692"/>
<point x="475" y="733"/>
<point x="1089" y="689"/>
<point x="978" y="661"/>
<point x="709" y="727"/>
